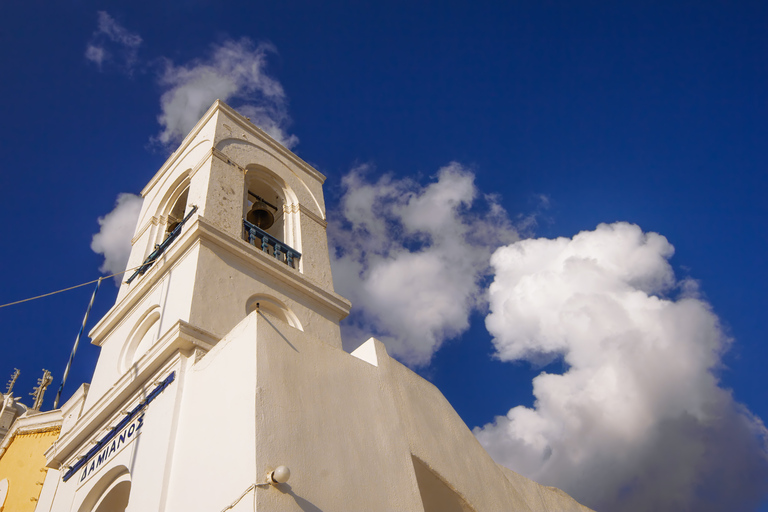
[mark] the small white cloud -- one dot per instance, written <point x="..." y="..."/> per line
<point x="412" y="258"/>
<point x="234" y="72"/>
<point x="110" y="35"/>
<point x="638" y="421"/>
<point x="96" y="54"/>
<point x="113" y="241"/>
<point x="116" y="32"/>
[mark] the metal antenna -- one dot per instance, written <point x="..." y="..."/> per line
<point x="39" y="391"/>
<point x="11" y="382"/>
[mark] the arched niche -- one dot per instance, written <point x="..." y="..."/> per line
<point x="111" y="493"/>
<point x="141" y="339"/>
<point x="272" y="308"/>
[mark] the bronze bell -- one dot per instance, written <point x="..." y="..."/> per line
<point x="260" y="216"/>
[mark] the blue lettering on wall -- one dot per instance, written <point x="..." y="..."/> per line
<point x="109" y="449"/>
<point x="131" y="424"/>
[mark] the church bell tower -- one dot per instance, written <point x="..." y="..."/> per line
<point x="232" y="225"/>
<point x="231" y="221"/>
<point x="222" y="384"/>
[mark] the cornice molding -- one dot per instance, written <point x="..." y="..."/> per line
<point x="257" y="260"/>
<point x="200" y="230"/>
<point x="33" y="424"/>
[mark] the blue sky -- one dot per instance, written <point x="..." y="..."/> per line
<point x="564" y="116"/>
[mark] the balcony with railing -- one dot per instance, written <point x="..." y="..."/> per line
<point x="160" y="248"/>
<point x="257" y="237"/>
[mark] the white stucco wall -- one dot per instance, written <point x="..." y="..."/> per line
<point x="347" y="429"/>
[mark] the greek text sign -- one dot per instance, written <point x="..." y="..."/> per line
<point x="104" y="446"/>
<point x="127" y="435"/>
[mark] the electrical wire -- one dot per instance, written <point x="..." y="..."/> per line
<point x="76" y="286"/>
<point x="252" y="487"/>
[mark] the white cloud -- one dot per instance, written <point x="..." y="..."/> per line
<point x="412" y="258"/>
<point x="113" y="241"/>
<point x="234" y="72"/>
<point x="112" y="40"/>
<point x="96" y="54"/>
<point x="638" y="420"/>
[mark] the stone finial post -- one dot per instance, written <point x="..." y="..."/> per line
<point x="39" y="391"/>
<point x="14" y="376"/>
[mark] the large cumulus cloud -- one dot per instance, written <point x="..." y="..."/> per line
<point x="412" y="258"/>
<point x="638" y="421"/>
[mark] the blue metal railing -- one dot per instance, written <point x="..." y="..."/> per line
<point x="160" y="248"/>
<point x="271" y="245"/>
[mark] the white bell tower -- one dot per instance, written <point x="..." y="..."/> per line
<point x="208" y="273"/>
<point x="204" y="268"/>
<point x="221" y="383"/>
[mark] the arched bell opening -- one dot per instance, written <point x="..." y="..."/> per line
<point x="264" y="208"/>
<point x="171" y="211"/>
<point x="176" y="215"/>
<point x="268" y="219"/>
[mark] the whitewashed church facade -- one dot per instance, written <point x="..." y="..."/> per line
<point x="222" y="362"/>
